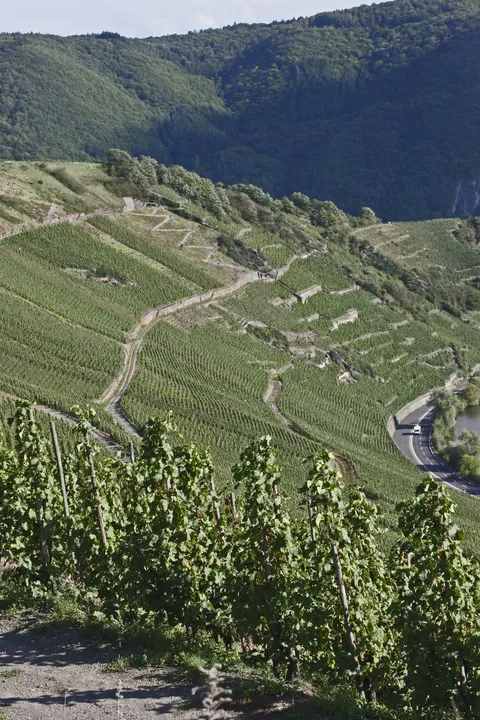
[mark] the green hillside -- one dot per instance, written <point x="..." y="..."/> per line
<point x="81" y="268"/>
<point x="375" y="105"/>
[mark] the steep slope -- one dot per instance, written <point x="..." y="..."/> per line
<point x="375" y="106"/>
<point x="76" y="97"/>
<point x="243" y="315"/>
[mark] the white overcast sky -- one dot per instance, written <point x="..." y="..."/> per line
<point x="142" y="18"/>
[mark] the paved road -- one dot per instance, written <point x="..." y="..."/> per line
<point x="418" y="450"/>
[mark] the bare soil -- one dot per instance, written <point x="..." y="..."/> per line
<point x="64" y="674"/>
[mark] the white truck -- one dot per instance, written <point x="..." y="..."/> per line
<point x="417" y="429"/>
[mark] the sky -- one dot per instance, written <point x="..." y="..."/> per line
<point x="143" y="18"/>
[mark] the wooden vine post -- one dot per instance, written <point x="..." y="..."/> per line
<point x="39" y="506"/>
<point x="233" y="508"/>
<point x="84" y="428"/>
<point x="61" y="475"/>
<point x="216" y="507"/>
<point x="96" y="494"/>
<point x="351" y="641"/>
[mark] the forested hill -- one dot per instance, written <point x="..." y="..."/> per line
<point x="377" y="105"/>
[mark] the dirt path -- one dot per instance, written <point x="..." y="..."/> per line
<point x="62" y="673"/>
<point x="281" y="271"/>
<point x="112" y="396"/>
<point x="73" y="218"/>
<point x="358" y="231"/>
<point x="99" y="435"/>
<point x="273" y="388"/>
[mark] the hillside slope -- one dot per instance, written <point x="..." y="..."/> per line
<point x="375" y="106"/>
<point x="242" y="315"/>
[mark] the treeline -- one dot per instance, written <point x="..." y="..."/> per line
<point x="321" y="104"/>
<point x="250" y="203"/>
<point x="314" y="592"/>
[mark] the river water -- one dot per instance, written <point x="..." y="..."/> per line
<point x="469" y="419"/>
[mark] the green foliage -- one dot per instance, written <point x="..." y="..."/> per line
<point x="137" y="174"/>
<point x="242" y="255"/>
<point x="348" y="578"/>
<point x="462" y="454"/>
<point x="64" y="177"/>
<point x="265" y="560"/>
<point x="291" y="105"/>
<point x="471" y="394"/>
<point x="437" y="604"/>
<point x="32" y="529"/>
<point x="469" y="466"/>
<point x="150" y="542"/>
<point x="172" y="567"/>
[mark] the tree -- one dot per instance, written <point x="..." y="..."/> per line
<point x="326" y="214"/>
<point x="471" y="442"/>
<point x="148" y="172"/>
<point x="368" y="216"/>
<point x="469" y="466"/>
<point x="301" y="200"/>
<point x="472" y="392"/>
<point x="119" y="163"/>
<point x="244" y="205"/>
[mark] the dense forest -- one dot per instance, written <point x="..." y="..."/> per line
<point x="376" y="105"/>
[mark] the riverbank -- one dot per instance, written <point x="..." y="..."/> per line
<point x="460" y="450"/>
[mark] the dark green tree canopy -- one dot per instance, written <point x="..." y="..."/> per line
<point x="374" y="107"/>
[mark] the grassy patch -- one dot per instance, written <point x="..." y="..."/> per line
<point x="63" y="176"/>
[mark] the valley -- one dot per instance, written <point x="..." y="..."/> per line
<point x="240" y="365"/>
<point x="135" y="310"/>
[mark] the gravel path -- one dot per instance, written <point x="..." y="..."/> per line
<point x="61" y="674"/>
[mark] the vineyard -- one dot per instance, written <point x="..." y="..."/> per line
<point x="70" y="292"/>
<point x="339" y="325"/>
<point x="428" y="245"/>
<point x="193" y="364"/>
<point x="73" y="292"/>
<point x="312" y="593"/>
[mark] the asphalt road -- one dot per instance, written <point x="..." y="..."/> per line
<point x="417" y="449"/>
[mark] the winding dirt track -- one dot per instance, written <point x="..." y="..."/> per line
<point x="112" y="396"/>
<point x="273" y="388"/>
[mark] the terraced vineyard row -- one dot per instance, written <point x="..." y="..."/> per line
<point x="152" y="244"/>
<point x="69" y="298"/>
<point x="75" y="292"/>
<point x="424" y="245"/>
<point x="407" y="357"/>
<point x="214" y="382"/>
